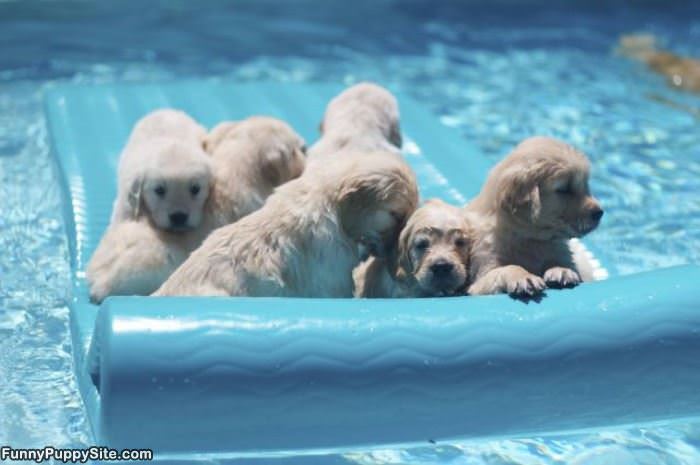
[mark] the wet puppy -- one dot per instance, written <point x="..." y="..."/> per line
<point x="304" y="241"/>
<point x="432" y="257"/>
<point x="250" y="158"/>
<point x="680" y="72"/>
<point x="532" y="203"/>
<point x="363" y="117"/>
<point x="163" y="186"/>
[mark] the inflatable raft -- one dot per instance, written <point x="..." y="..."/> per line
<point x="196" y="378"/>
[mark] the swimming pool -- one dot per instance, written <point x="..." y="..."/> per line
<point x="484" y="70"/>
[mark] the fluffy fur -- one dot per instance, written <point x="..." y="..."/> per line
<point x="680" y="72"/>
<point x="363" y="117"/>
<point x="432" y="258"/>
<point x="304" y="241"/>
<point x="164" y="179"/>
<point x="532" y="203"/>
<point x="169" y="123"/>
<point x="250" y="159"/>
<point x="134" y="258"/>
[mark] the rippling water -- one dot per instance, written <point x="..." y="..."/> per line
<point x="497" y="73"/>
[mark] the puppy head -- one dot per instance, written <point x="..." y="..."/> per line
<point x="433" y="252"/>
<point x="374" y="192"/>
<point x="173" y="187"/>
<point x="276" y="151"/>
<point x="542" y="189"/>
<point x="363" y="108"/>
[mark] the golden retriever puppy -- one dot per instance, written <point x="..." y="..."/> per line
<point x="680" y="72"/>
<point x="363" y="117"/>
<point x="250" y="158"/>
<point x="163" y="185"/>
<point x="304" y="241"/>
<point x="532" y="203"/>
<point x="134" y="258"/>
<point x="432" y="258"/>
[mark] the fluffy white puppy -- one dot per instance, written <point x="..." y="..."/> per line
<point x="432" y="258"/>
<point x="304" y="241"/>
<point x="163" y="186"/>
<point x="532" y="203"/>
<point x="363" y="117"/>
<point x="250" y="158"/>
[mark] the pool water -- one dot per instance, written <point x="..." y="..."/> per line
<point x="497" y="72"/>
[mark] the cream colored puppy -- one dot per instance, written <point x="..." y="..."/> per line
<point x="163" y="186"/>
<point x="363" y="117"/>
<point x="432" y="257"/>
<point x="250" y="158"/>
<point x="304" y="241"/>
<point x="532" y="203"/>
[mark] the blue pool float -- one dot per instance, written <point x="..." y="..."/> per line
<point x="197" y="378"/>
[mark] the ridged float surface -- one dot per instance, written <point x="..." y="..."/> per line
<point x="195" y="375"/>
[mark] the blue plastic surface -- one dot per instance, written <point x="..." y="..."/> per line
<point x="192" y="376"/>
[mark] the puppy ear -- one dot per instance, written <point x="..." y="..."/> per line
<point x="519" y="193"/>
<point x="401" y="264"/>
<point x="274" y="166"/>
<point x="135" y="197"/>
<point x="395" y="135"/>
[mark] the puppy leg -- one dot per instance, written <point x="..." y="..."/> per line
<point x="511" y="279"/>
<point x="559" y="277"/>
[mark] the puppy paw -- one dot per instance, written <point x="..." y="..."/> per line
<point x="98" y="292"/>
<point x="527" y="286"/>
<point x="559" y="277"/>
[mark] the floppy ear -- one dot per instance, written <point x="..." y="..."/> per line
<point x="518" y="192"/>
<point x="401" y="264"/>
<point x="274" y="166"/>
<point x="395" y="135"/>
<point x="354" y="195"/>
<point x="135" y="197"/>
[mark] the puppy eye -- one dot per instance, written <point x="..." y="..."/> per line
<point x="422" y="244"/>
<point x="460" y="242"/>
<point x="564" y="190"/>
<point x="194" y="190"/>
<point x="160" y="191"/>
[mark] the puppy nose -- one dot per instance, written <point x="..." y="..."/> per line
<point x="178" y="218"/>
<point x="596" y="214"/>
<point x="441" y="268"/>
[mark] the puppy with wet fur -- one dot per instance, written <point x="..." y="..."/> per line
<point x="163" y="186"/>
<point x="532" y="203"/>
<point x="363" y="117"/>
<point x="250" y="158"/>
<point x="432" y="257"/>
<point x="304" y="241"/>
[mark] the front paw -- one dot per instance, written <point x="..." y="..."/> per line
<point x="559" y="277"/>
<point x="525" y="286"/>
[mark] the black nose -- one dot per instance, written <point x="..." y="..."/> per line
<point x="441" y="268"/>
<point x="597" y="214"/>
<point x="178" y="218"/>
